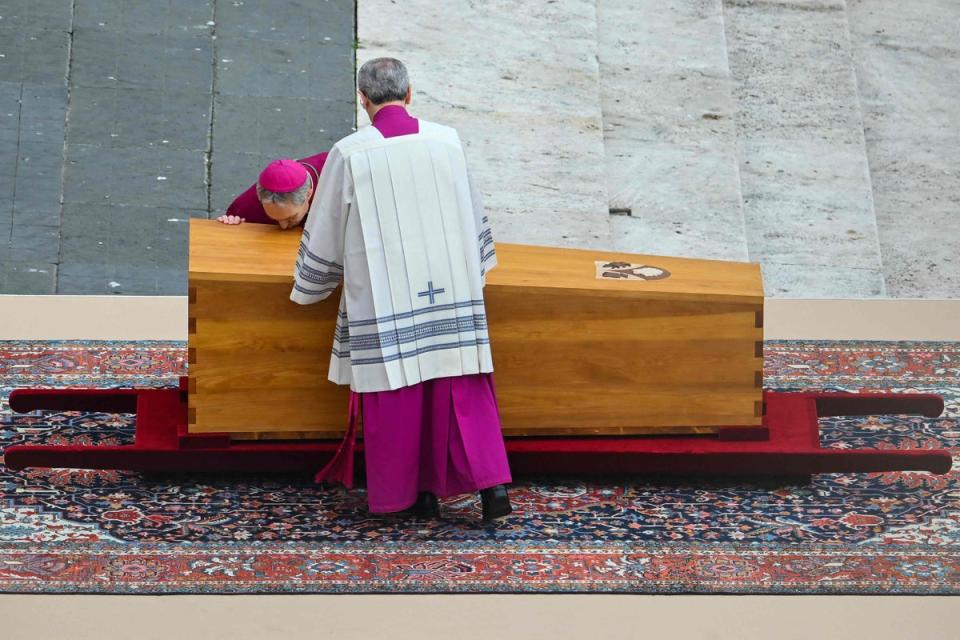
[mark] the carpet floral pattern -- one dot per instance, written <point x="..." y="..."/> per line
<point x="64" y="530"/>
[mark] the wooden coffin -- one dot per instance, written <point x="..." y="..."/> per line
<point x="584" y="342"/>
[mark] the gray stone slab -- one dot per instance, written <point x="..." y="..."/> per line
<point x="155" y="226"/>
<point x="177" y="17"/>
<point x="907" y="58"/>
<point x="520" y="82"/>
<point x="8" y="173"/>
<point x="85" y="250"/>
<point x="795" y="77"/>
<point x="9" y="115"/>
<point x="137" y="143"/>
<point x="135" y="176"/>
<point x="6" y="229"/>
<point x="100" y="221"/>
<point x="31" y="15"/>
<point x="171" y="245"/>
<point x="798" y="6"/>
<point x="921" y="26"/>
<point x="306" y="24"/>
<point x="27" y="278"/>
<point x="6" y="232"/>
<point x="123" y="249"/>
<point x="6" y="222"/>
<point x="924" y="262"/>
<point x="35" y="243"/>
<point x="145" y="118"/>
<point x="682" y="203"/>
<point x="43" y="113"/>
<point x="118" y="279"/>
<point x="73" y="285"/>
<point x="172" y="281"/>
<point x="663" y="33"/>
<point x="279" y="127"/>
<point x="307" y="69"/>
<point x="37" y="216"/>
<point x="90" y="220"/>
<point x="134" y="278"/>
<point x="140" y="109"/>
<point x="31" y="178"/>
<point x="669" y="135"/>
<point x="285" y="87"/>
<point x="30" y="55"/>
<point x="37" y="186"/>
<point x="86" y="266"/>
<point x="664" y="73"/>
<point x="810" y="281"/>
<point x="169" y="62"/>
<point x="644" y="106"/>
<point x="809" y="203"/>
<point x="233" y="173"/>
<point x="805" y="182"/>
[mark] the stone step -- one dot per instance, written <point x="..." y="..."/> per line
<point x="807" y="193"/>
<point x="520" y="82"/>
<point x="726" y="129"/>
<point x="671" y="169"/>
<point x="907" y="57"/>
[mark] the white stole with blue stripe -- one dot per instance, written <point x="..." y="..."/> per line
<point x="399" y="220"/>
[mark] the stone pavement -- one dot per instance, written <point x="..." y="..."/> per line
<point x="519" y="81"/>
<point x="727" y="129"/>
<point x="668" y="129"/>
<point x="907" y="57"/>
<point x="804" y="175"/>
<point x="120" y="120"/>
<point x="816" y="137"/>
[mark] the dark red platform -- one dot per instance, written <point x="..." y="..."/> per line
<point x="162" y="443"/>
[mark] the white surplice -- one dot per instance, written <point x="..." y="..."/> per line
<point x="399" y="220"/>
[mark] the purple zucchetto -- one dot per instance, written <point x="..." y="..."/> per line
<point x="283" y="176"/>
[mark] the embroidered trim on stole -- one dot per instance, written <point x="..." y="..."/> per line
<point x="409" y="314"/>
<point x="314" y="292"/>
<point x="303" y="249"/>
<point x="425" y="331"/>
<point x="409" y="354"/>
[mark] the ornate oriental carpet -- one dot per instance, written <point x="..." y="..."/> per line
<point x="82" y="531"/>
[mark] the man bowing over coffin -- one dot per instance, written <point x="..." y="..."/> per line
<point x="396" y="217"/>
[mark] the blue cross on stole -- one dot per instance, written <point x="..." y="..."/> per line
<point x="430" y="292"/>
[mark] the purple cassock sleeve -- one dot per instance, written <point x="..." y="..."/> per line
<point x="247" y="204"/>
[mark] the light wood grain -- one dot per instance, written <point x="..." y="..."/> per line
<point x="260" y="361"/>
<point x="264" y="253"/>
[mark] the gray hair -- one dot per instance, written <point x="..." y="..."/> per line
<point x="383" y="80"/>
<point x="298" y="196"/>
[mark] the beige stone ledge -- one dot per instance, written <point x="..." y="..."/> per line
<point x="531" y="617"/>
<point x="165" y="318"/>
<point x="861" y="319"/>
<point x="93" y="317"/>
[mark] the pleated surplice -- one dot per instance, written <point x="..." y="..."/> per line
<point x="413" y="309"/>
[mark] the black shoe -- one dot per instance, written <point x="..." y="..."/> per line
<point x="426" y="505"/>
<point x="496" y="502"/>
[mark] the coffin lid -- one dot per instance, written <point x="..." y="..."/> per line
<point x="265" y="253"/>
